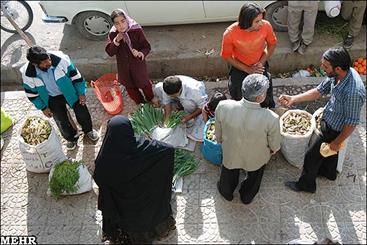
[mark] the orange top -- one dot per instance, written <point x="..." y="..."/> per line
<point x="247" y="46"/>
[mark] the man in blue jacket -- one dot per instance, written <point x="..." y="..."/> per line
<point x="51" y="81"/>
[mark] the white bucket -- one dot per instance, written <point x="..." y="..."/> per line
<point x="332" y="8"/>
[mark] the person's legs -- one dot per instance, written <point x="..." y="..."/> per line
<point x="135" y="95"/>
<point x="57" y="106"/>
<point x="250" y="186"/>
<point x="309" y="19"/>
<point x="236" y="78"/>
<point x="293" y="21"/>
<point x="228" y="182"/>
<point x="148" y="91"/>
<point x="83" y="117"/>
<point x="269" y="100"/>
<point x="328" y="167"/>
<point x="355" y="23"/>
<point x="347" y="9"/>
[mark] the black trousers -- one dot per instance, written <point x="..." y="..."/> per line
<point x="236" y="78"/>
<point x="249" y="187"/>
<point x="57" y="106"/>
<point x="315" y="164"/>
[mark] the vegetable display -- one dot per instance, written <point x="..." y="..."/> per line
<point x="360" y="65"/>
<point x="35" y="130"/>
<point x="174" y="119"/>
<point x="296" y="124"/>
<point x="185" y="164"/>
<point x="64" y="178"/>
<point x="146" y="118"/>
<point x="210" y="133"/>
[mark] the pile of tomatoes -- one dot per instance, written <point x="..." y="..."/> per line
<point x="360" y="66"/>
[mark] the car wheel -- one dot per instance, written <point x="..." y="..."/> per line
<point x="276" y="14"/>
<point x="93" y="25"/>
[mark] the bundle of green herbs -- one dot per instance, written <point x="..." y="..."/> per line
<point x="146" y="118"/>
<point x="174" y="119"/>
<point x="185" y="164"/>
<point x="64" y="177"/>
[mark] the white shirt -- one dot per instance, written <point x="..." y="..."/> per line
<point x="193" y="95"/>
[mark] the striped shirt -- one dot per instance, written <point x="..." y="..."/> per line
<point x="346" y="100"/>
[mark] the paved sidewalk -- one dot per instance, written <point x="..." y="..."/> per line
<point x="337" y="210"/>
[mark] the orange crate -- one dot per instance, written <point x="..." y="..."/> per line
<point x="108" y="92"/>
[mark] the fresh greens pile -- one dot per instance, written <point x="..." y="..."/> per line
<point x="64" y="178"/>
<point x="146" y="118"/>
<point x="175" y="119"/>
<point x="185" y="164"/>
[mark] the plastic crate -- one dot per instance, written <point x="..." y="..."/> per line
<point x="108" y="92"/>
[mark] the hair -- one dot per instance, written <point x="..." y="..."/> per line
<point x="116" y="13"/>
<point x="248" y="12"/>
<point x="172" y="85"/>
<point x="254" y="85"/>
<point x="215" y="99"/>
<point x="37" y="54"/>
<point x="338" y="57"/>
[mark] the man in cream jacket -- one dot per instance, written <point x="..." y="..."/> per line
<point x="249" y="136"/>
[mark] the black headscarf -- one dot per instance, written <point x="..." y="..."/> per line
<point x="134" y="176"/>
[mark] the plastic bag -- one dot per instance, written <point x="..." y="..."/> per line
<point x="294" y="147"/>
<point x="173" y="136"/>
<point x="6" y="121"/>
<point x="212" y="151"/>
<point x="40" y="158"/>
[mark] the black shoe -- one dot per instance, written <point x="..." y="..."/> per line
<point x="302" y="49"/>
<point x="293" y="186"/>
<point x="348" y="41"/>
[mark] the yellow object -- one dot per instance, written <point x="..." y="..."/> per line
<point x="325" y="150"/>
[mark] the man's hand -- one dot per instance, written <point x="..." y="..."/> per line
<point x="286" y="100"/>
<point x="137" y="54"/>
<point x="82" y="99"/>
<point x="47" y="112"/>
<point x="256" y="68"/>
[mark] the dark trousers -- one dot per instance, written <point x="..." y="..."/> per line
<point x="315" y="164"/>
<point x="236" y="78"/>
<point x="249" y="187"/>
<point x="136" y="95"/>
<point x="57" y="106"/>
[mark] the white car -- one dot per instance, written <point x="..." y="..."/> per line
<point x="92" y="18"/>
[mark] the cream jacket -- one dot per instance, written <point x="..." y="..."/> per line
<point x="247" y="133"/>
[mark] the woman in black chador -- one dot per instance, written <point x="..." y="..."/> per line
<point x="134" y="176"/>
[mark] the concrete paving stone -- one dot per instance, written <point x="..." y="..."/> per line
<point x="260" y="234"/>
<point x="270" y="177"/>
<point x="207" y="167"/>
<point x="92" y="215"/>
<point x="191" y="182"/>
<point x="22" y="230"/>
<point x="301" y="230"/>
<point x="68" y="210"/>
<point x="289" y="197"/>
<point x="209" y="180"/>
<point x="354" y="212"/>
<point x="340" y="194"/>
<point x="293" y="212"/>
<point x="211" y="198"/>
<point x="22" y="200"/>
<point x="30" y="215"/>
<point x="188" y="215"/>
<point x="62" y="234"/>
<point x="184" y="234"/>
<point x="347" y="232"/>
<point x="90" y="234"/>
<point x="188" y="198"/>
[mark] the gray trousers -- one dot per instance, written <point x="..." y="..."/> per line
<point x="295" y="11"/>
<point x="353" y="12"/>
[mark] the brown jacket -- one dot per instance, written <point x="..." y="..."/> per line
<point x="132" y="72"/>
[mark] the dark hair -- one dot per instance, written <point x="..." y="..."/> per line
<point x="37" y="54"/>
<point x="215" y="99"/>
<point x="172" y="85"/>
<point x="116" y="13"/>
<point x="338" y="57"/>
<point x="248" y="13"/>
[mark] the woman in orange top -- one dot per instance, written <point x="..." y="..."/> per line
<point x="247" y="45"/>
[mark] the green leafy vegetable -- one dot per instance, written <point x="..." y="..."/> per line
<point x="146" y="118"/>
<point x="64" y="178"/>
<point x="175" y="119"/>
<point x="185" y="164"/>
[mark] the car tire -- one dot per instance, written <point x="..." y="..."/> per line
<point x="276" y="14"/>
<point x="100" y="33"/>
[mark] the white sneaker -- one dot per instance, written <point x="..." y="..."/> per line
<point x="93" y="135"/>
